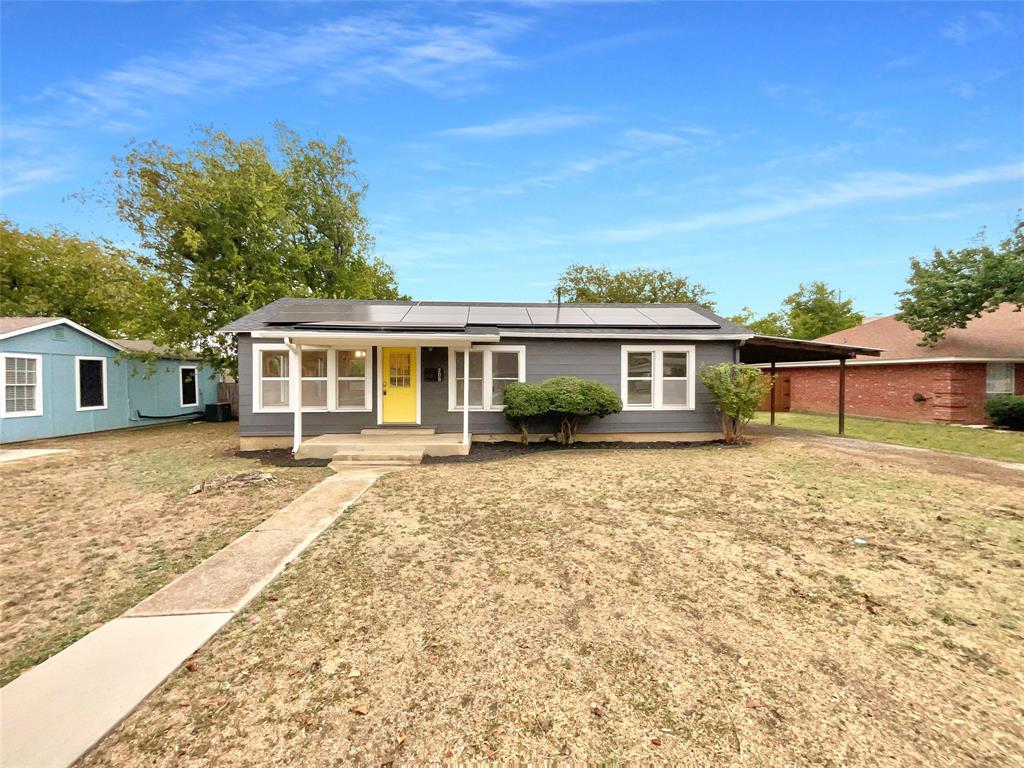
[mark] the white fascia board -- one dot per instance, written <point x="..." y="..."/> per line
<point x="62" y="321"/>
<point x="376" y="338"/>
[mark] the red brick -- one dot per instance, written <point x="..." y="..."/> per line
<point x="953" y="392"/>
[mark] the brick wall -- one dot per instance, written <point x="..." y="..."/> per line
<point x="953" y="392"/>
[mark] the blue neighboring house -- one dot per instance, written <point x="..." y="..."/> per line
<point x="59" y="378"/>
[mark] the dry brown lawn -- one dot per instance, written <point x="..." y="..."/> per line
<point x="86" y="535"/>
<point x="781" y="604"/>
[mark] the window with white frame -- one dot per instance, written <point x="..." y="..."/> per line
<point x="330" y="379"/>
<point x="90" y="383"/>
<point x="353" y="380"/>
<point x="490" y="371"/>
<point x="22" y="382"/>
<point x="188" y="387"/>
<point x="272" y="384"/>
<point x="657" y="377"/>
<point x="999" y="379"/>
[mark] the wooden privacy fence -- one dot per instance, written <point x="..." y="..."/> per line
<point x="227" y="392"/>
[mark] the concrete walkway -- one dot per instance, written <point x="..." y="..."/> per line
<point x="20" y="454"/>
<point x="54" y="713"/>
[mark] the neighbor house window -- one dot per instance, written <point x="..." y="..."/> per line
<point x="353" y="381"/>
<point x="90" y="383"/>
<point x="657" y="377"/>
<point x="22" y="383"/>
<point x="187" y="386"/>
<point x="999" y="379"/>
<point x="491" y="369"/>
<point x="272" y="384"/>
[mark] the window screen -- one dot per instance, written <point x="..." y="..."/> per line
<point x="91" y="389"/>
<point x="189" y="395"/>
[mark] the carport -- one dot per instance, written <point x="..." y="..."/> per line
<point x="767" y="351"/>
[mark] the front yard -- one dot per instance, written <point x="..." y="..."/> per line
<point x="1001" y="445"/>
<point x="780" y="604"/>
<point x="86" y="535"/>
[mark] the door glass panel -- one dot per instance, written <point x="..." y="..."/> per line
<point x="400" y="369"/>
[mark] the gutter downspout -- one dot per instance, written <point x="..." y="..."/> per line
<point x="295" y="390"/>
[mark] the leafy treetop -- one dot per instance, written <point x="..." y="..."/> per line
<point x="956" y="286"/>
<point x="812" y="311"/>
<point x="229" y="226"/>
<point x="584" y="284"/>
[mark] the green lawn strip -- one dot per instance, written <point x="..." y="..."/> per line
<point x="986" y="443"/>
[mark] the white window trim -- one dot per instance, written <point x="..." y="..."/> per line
<point x="488" y="380"/>
<point x="332" y="379"/>
<point x="657" y="389"/>
<point x="181" y="385"/>
<point x="332" y="375"/>
<point x="78" y="387"/>
<point x="38" y="385"/>
<point x="988" y="379"/>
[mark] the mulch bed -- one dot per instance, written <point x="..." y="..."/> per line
<point x="510" y="450"/>
<point x="281" y="457"/>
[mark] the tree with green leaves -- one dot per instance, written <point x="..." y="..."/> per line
<point x="771" y="324"/>
<point x="956" y="286"/>
<point x="816" y="310"/>
<point x="736" y="390"/>
<point x="584" y="284"/>
<point x="813" y="310"/>
<point x="229" y="226"/>
<point x="58" y="274"/>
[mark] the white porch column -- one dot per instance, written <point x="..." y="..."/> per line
<point x="295" y="390"/>
<point x="465" y="396"/>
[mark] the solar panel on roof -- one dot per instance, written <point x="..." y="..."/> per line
<point x="558" y="316"/>
<point x="452" y="316"/>
<point x="617" y="316"/>
<point x="680" y="317"/>
<point x="499" y="316"/>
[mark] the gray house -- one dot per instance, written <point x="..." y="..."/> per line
<point x="315" y="371"/>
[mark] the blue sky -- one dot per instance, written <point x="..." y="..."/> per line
<point x="750" y="147"/>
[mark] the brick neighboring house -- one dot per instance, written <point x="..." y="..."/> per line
<point x="947" y="383"/>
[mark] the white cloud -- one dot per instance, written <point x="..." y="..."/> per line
<point x="977" y="26"/>
<point x="375" y="50"/>
<point x="859" y="188"/>
<point x="533" y="124"/>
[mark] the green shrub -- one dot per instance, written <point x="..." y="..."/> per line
<point x="1006" y="411"/>
<point x="736" y="390"/>
<point x="525" y="402"/>
<point x="572" y="399"/>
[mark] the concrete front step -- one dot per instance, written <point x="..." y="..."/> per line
<point x="329" y="446"/>
<point x="398" y="431"/>
<point x="407" y="456"/>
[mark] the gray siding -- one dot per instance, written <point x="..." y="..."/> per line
<point x="598" y="359"/>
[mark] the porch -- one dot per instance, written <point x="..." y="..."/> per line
<point x="383" y="447"/>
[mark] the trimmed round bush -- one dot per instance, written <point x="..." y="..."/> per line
<point x="1006" y="411"/>
<point x="525" y="402"/>
<point x="573" y="399"/>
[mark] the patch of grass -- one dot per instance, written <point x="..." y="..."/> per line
<point x="1001" y="445"/>
<point x="88" y="534"/>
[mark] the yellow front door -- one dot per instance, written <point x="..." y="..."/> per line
<point x="398" y="385"/>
